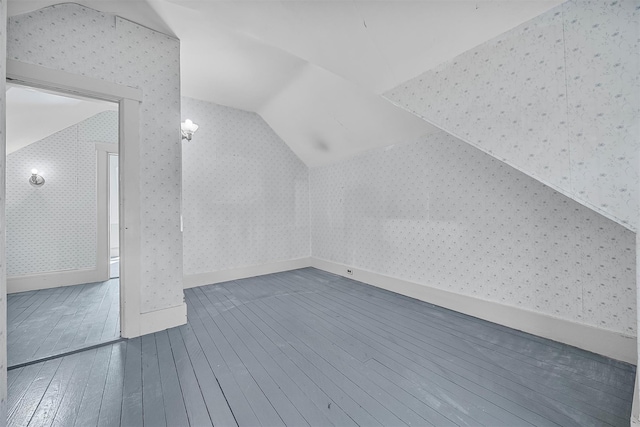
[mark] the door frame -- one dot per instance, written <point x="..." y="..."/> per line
<point x="128" y="100"/>
<point x="103" y="151"/>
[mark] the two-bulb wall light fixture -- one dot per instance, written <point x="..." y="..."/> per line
<point x="188" y="128"/>
<point x="35" y="179"/>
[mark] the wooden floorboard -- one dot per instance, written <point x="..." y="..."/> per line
<point x="111" y="404"/>
<point x="306" y="347"/>
<point x="174" y="407"/>
<point x="490" y="332"/>
<point x="152" y="400"/>
<point x="54" y="321"/>
<point x="131" y="414"/>
<point x="513" y="381"/>
<point x="343" y="371"/>
<point x="352" y="352"/>
<point x="359" y="347"/>
<point x="408" y="358"/>
<point x="89" y="406"/>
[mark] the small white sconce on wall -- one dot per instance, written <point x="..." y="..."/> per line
<point x="36" y="180"/>
<point x="188" y="128"/>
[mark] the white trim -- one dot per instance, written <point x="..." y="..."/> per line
<point x="102" y="205"/>
<point x="130" y="238"/>
<point x="160" y="320"/>
<point x="104" y="228"/>
<point x="105" y="146"/>
<point x="601" y="341"/>
<point x="51" y="279"/>
<point x="194" y="280"/>
<point x="61" y="81"/>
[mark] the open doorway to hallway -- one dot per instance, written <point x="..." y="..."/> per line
<point x="63" y="289"/>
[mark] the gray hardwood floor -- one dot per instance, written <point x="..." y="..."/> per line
<point x="309" y="348"/>
<point x="58" y="320"/>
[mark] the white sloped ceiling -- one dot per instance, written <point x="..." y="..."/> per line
<point x="314" y="70"/>
<point x="52" y="112"/>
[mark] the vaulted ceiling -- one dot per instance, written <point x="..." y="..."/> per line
<point x="314" y="70"/>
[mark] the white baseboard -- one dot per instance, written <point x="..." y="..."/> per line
<point x="55" y="279"/>
<point x="600" y="341"/>
<point x="194" y="280"/>
<point x="155" y="321"/>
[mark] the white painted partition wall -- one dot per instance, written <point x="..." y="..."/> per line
<point x="85" y="42"/>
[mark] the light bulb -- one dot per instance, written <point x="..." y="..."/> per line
<point x="34" y="171"/>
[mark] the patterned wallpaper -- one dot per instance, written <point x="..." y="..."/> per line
<point x="3" y="276"/>
<point x="83" y="41"/>
<point x="557" y="97"/>
<point x="440" y="212"/>
<point x="53" y="227"/>
<point x="245" y="193"/>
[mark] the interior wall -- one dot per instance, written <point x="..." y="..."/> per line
<point x="54" y="227"/>
<point x="83" y="41"/>
<point x="557" y="97"/>
<point x="3" y="265"/>
<point x="245" y="193"/>
<point x="441" y="213"/>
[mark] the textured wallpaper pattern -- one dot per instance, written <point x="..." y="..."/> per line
<point x="440" y="212"/>
<point x="83" y="41"/>
<point x="557" y="97"/>
<point x="245" y="193"/>
<point x="3" y="276"/>
<point x="54" y="227"/>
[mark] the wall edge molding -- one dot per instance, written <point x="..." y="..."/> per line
<point x="202" y="279"/>
<point x="601" y="341"/>
<point x="159" y="320"/>
<point x="54" y="279"/>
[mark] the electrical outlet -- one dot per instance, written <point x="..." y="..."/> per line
<point x="349" y="271"/>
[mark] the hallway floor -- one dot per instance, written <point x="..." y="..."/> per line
<point x="306" y="347"/>
<point x="58" y="320"/>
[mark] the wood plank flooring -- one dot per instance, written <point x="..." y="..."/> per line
<point x="307" y="347"/>
<point x="58" y="320"/>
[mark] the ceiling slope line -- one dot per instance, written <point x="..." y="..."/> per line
<point x="560" y="190"/>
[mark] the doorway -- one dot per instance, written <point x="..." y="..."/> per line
<point x="61" y="294"/>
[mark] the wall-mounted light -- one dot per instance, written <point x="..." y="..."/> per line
<point x="188" y="128"/>
<point x="36" y="180"/>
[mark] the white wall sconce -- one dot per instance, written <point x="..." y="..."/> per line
<point x="188" y="128"/>
<point x="36" y="180"/>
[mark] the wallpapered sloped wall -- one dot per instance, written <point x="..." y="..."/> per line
<point x="245" y="193"/>
<point x="440" y="212"/>
<point x="83" y="41"/>
<point x="557" y="98"/>
<point x="54" y="227"/>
